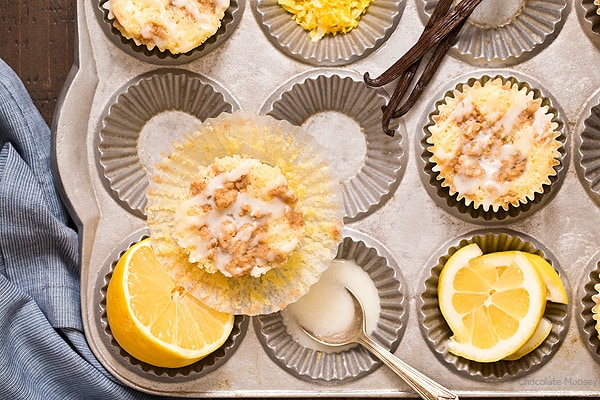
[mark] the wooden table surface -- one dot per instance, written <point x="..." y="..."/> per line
<point x="37" y="39"/>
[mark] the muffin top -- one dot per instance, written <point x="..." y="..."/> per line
<point x="174" y="25"/>
<point x="240" y="218"/>
<point x="494" y="144"/>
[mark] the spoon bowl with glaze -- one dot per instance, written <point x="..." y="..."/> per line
<point x="357" y="333"/>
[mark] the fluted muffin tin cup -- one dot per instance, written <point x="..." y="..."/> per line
<point x="586" y="323"/>
<point x="229" y="24"/>
<point x="327" y="90"/>
<point x="150" y="374"/>
<point x="374" y="29"/>
<point x="436" y="331"/>
<point x="125" y="153"/>
<point x="507" y="32"/>
<point x="453" y="203"/>
<point x="587" y="147"/>
<point x="322" y="367"/>
<point x="589" y="19"/>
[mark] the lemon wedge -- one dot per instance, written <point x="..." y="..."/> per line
<point x="493" y="303"/>
<point x="157" y="321"/>
<point x="555" y="288"/>
<point x="541" y="333"/>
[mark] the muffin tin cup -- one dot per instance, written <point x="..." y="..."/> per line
<point x="141" y="369"/>
<point x="373" y="30"/>
<point x="229" y="23"/>
<point x="585" y="320"/>
<point x="436" y="331"/>
<point x="502" y="33"/>
<point x="351" y="364"/>
<point x="457" y="206"/>
<point x="332" y="90"/>
<point x="120" y="148"/>
<point x="589" y="19"/>
<point x="587" y="147"/>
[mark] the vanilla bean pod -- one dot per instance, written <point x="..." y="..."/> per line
<point x="429" y="39"/>
<point x="406" y="78"/>
<point x="390" y="74"/>
<point x="428" y="72"/>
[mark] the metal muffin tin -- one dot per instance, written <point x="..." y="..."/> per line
<point x="323" y="367"/>
<point x="383" y="159"/>
<point x="507" y="34"/>
<point x="122" y="142"/>
<point x="375" y="28"/>
<point x="251" y="72"/>
<point x="457" y="206"/>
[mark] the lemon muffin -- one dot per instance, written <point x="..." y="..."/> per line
<point x="493" y="145"/>
<point x="244" y="228"/>
<point x="240" y="218"/>
<point x="177" y="26"/>
<point x="596" y="308"/>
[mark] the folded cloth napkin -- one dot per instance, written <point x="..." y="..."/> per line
<point x="43" y="351"/>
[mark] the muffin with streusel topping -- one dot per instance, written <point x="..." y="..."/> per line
<point x="240" y="218"/>
<point x="177" y="26"/>
<point x="493" y="144"/>
<point x="244" y="213"/>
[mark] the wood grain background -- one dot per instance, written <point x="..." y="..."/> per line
<point x="37" y="41"/>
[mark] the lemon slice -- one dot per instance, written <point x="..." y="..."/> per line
<point x="493" y="303"/>
<point x="157" y="321"/>
<point x="541" y="333"/>
<point x="555" y="288"/>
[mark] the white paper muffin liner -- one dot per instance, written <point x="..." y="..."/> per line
<point x="303" y="163"/>
<point x="589" y="19"/>
<point x="456" y="205"/>
<point x="337" y="368"/>
<point x="119" y="145"/>
<point x="189" y="373"/>
<point x="436" y="332"/>
<point x="587" y="147"/>
<point x="506" y="39"/>
<point x="587" y="290"/>
<point x="374" y="28"/>
<point x="229" y="23"/>
<point x="385" y="160"/>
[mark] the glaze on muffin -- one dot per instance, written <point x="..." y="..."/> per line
<point x="493" y="145"/>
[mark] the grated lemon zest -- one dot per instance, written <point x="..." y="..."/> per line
<point x="322" y="17"/>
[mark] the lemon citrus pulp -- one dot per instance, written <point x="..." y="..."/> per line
<point x="541" y="333"/>
<point x="493" y="303"/>
<point x="157" y="321"/>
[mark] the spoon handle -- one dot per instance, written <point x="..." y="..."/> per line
<point x="426" y="387"/>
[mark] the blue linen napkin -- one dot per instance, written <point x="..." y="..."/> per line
<point x="43" y="351"/>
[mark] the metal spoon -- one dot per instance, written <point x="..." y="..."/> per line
<point x="426" y="387"/>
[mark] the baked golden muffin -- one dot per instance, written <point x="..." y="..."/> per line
<point x="596" y="308"/>
<point x="597" y="2"/>
<point x="240" y="218"/>
<point x="245" y="213"/>
<point x="493" y="145"/>
<point x="177" y="26"/>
